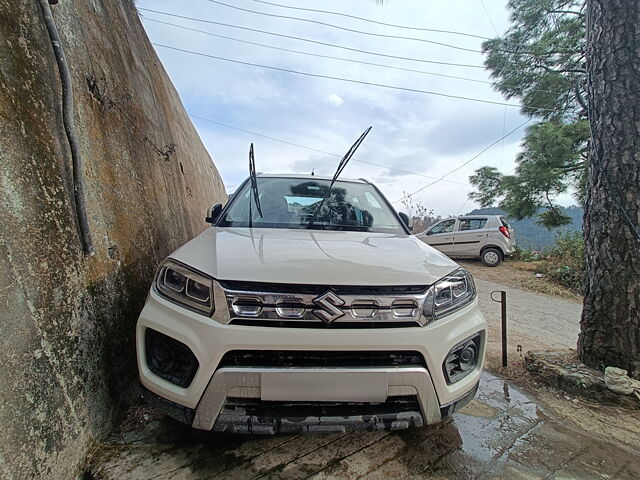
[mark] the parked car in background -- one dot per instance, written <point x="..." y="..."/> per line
<point x="488" y="237"/>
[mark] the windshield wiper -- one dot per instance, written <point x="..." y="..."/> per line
<point x="254" y="186"/>
<point x="341" y="166"/>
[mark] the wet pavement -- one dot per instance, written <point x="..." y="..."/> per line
<point x="502" y="434"/>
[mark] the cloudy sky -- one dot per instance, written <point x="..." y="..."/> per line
<point x="416" y="135"/>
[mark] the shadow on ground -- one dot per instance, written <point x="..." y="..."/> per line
<point x="501" y="434"/>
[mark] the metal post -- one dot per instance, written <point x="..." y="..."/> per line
<point x="503" y="311"/>
<point x="503" y="305"/>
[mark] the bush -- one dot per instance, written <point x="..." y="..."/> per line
<point x="525" y="254"/>
<point x="563" y="262"/>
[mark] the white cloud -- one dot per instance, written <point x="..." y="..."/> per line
<point x="334" y="100"/>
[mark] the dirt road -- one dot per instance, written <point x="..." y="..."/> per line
<point x="534" y="321"/>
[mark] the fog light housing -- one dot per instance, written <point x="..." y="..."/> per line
<point x="462" y="359"/>
<point x="170" y="359"/>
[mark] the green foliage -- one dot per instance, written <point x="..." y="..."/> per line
<point x="563" y="262"/>
<point x="553" y="218"/>
<point x="540" y="60"/>
<point x="522" y="254"/>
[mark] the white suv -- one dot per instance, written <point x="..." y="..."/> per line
<point x="488" y="237"/>
<point x="279" y="318"/>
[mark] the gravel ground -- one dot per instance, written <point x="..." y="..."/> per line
<point x="534" y="321"/>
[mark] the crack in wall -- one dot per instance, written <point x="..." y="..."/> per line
<point x="107" y="103"/>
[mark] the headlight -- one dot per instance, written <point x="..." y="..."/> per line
<point x="185" y="286"/>
<point x="449" y="294"/>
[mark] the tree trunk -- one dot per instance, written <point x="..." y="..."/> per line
<point x="610" y="325"/>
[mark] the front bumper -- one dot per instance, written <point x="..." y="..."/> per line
<point x="213" y="389"/>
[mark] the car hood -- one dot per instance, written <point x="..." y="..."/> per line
<point x="314" y="257"/>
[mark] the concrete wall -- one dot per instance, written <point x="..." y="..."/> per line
<point x="67" y="322"/>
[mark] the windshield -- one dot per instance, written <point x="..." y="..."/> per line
<point x="291" y="202"/>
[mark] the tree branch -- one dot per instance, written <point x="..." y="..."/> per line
<point x="579" y="97"/>
<point x="580" y="14"/>
<point x="551" y="205"/>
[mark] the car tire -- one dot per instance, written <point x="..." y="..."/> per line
<point x="491" y="257"/>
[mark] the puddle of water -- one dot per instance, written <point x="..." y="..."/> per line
<point x="498" y="416"/>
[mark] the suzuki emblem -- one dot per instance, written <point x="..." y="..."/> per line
<point x="329" y="303"/>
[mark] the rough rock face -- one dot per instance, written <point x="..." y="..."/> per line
<point x="67" y="349"/>
<point x="562" y="369"/>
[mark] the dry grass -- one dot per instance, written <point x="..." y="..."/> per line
<point x="526" y="266"/>
<point x="137" y="416"/>
<point x="546" y="287"/>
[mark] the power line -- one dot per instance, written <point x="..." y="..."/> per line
<point x="316" y="149"/>
<point x="462" y="206"/>
<point x="489" y="18"/>
<point x="316" y="42"/>
<point x="465" y="163"/>
<point x="330" y="25"/>
<point x="452" y="32"/>
<point x="341" y="79"/>
<point x="504" y="115"/>
<point x="328" y="12"/>
<point x="350" y="60"/>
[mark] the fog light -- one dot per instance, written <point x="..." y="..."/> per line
<point x="462" y="359"/>
<point x="468" y="356"/>
<point x="169" y="358"/>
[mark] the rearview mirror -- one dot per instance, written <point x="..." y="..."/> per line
<point x="213" y="213"/>
<point x="406" y="220"/>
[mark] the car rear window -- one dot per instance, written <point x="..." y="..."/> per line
<point x="472" y="223"/>
<point x="504" y="222"/>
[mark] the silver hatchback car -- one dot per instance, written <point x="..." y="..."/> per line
<point x="488" y="237"/>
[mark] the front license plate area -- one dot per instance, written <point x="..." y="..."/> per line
<point x="315" y="386"/>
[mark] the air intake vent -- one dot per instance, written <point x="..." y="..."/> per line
<point x="296" y="358"/>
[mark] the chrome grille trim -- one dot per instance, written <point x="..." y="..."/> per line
<point x="264" y="307"/>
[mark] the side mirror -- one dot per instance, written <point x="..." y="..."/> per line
<point x="213" y="213"/>
<point x="407" y="221"/>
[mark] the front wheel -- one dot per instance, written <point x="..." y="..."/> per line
<point x="491" y="257"/>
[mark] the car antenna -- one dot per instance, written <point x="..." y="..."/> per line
<point x="254" y="185"/>
<point x="341" y="166"/>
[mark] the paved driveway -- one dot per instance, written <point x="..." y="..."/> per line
<point x="502" y="434"/>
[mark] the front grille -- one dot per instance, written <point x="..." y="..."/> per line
<point x="319" y="289"/>
<point x="321" y="359"/>
<point x="241" y="415"/>
<point x="306" y="324"/>
<point x="317" y="306"/>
